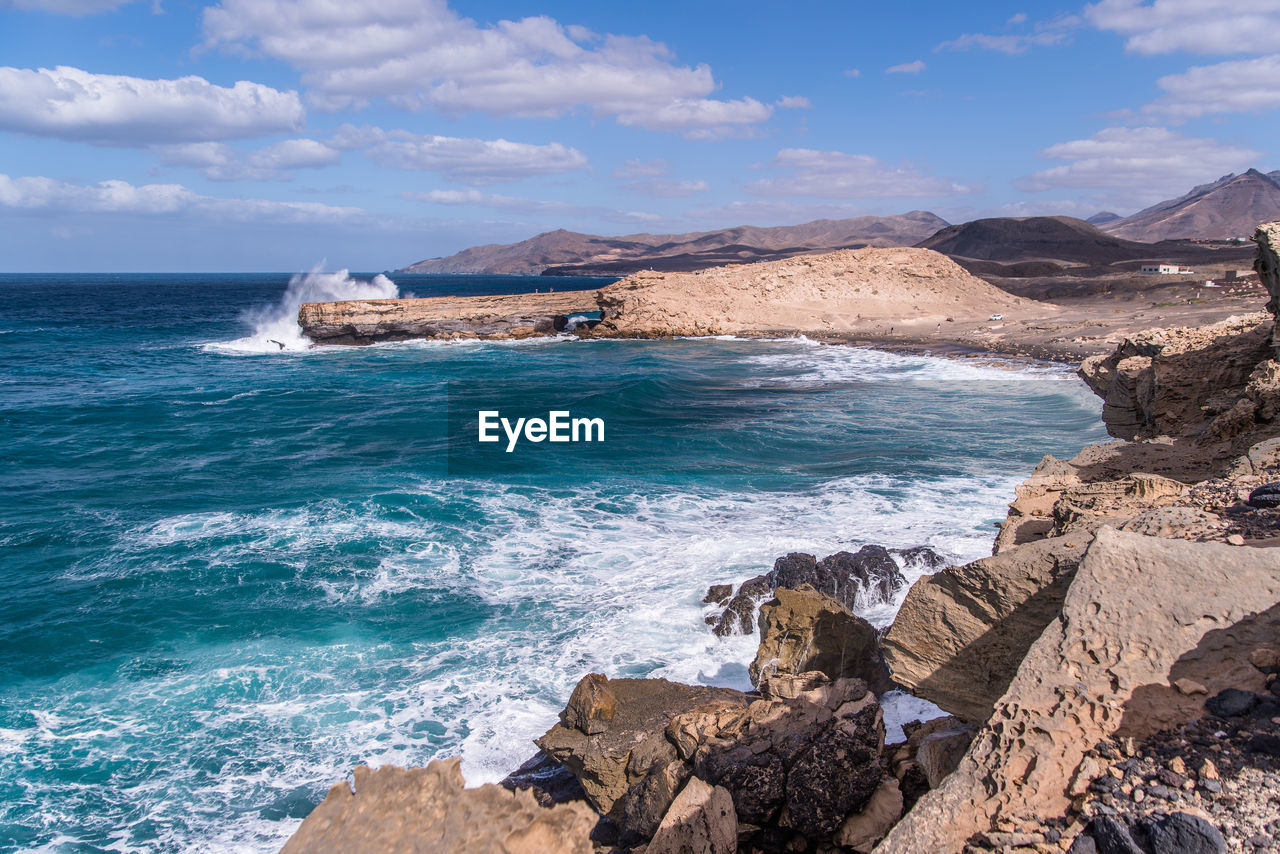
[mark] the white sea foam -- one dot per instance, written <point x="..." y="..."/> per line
<point x="276" y="329"/>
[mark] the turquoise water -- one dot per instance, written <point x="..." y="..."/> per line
<point x="229" y="571"/>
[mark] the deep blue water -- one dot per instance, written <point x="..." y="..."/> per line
<point x="230" y="572"/>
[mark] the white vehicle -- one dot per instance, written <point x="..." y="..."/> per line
<point x="995" y="317"/>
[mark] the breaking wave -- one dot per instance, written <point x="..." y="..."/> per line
<point x="275" y="327"/>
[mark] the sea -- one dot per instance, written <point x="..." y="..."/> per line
<point x="234" y="566"/>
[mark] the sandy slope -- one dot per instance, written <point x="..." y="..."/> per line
<point x="843" y="292"/>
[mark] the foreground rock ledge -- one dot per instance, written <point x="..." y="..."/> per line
<point x="1142" y="614"/>
<point x="428" y="811"/>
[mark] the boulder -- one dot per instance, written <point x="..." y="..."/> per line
<point x="1182" y="833"/>
<point x="428" y="811"/>
<point x="591" y="706"/>
<point x="1104" y="667"/>
<point x="701" y="821"/>
<point x="961" y="633"/>
<point x="610" y="762"/>
<point x="803" y="630"/>
<point x="548" y="781"/>
<point x="861" y="831"/>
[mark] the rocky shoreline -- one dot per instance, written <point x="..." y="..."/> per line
<point x="1109" y="673"/>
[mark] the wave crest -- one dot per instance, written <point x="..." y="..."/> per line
<point x="275" y="327"/>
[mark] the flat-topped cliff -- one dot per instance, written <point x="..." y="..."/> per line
<point x="511" y="316"/>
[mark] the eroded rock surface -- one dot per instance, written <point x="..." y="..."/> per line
<point x="1106" y="665"/>
<point x="427" y="811"/>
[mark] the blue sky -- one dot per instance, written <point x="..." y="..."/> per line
<point x="369" y="134"/>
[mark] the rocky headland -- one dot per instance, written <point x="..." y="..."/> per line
<point x="1109" y="673"/>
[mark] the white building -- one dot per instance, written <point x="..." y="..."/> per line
<point x="1166" y="269"/>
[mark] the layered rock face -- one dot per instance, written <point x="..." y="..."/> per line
<point x="427" y="811"/>
<point x="370" y="321"/>
<point x="1105" y="665"/>
<point x="837" y="292"/>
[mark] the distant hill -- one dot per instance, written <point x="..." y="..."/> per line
<point x="1103" y="217"/>
<point x="568" y="252"/>
<point x="1232" y="206"/>
<point x="1059" y="240"/>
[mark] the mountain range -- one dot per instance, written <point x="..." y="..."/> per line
<point x="1231" y="206"/>
<point x="571" y="253"/>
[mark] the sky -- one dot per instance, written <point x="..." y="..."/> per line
<point x="275" y="135"/>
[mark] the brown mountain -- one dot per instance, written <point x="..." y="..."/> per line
<point x="571" y="253"/>
<point x="1059" y="240"/>
<point x="1232" y="206"/>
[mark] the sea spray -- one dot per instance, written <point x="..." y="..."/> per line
<point x="275" y="327"/>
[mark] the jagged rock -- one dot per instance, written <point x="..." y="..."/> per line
<point x="591" y="706"/>
<point x="961" y="633"/>
<point x="1110" y="836"/>
<point x="1155" y="382"/>
<point x="811" y="745"/>
<point x="940" y="752"/>
<point x="803" y="630"/>
<point x="609" y="763"/>
<point x="862" y="830"/>
<point x="428" y="811"/>
<point x="923" y="557"/>
<point x="701" y="821"/>
<point x="867" y="577"/>
<point x="739" y="616"/>
<point x="718" y="594"/>
<point x="1105" y="666"/>
<point x="1267" y="263"/>
<point x="1182" y="833"/>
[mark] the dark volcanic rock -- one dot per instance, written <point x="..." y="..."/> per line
<point x="835" y="777"/>
<point x="1182" y="833"/>
<point x="1267" y="495"/>
<point x="718" y="594"/>
<point x="739" y="617"/>
<point x="1110" y="836"/>
<point x="869" y="577"/>
<point x="1231" y="703"/>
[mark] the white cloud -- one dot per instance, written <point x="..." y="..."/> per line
<point x="1019" y="18"/>
<point x="420" y="53"/>
<point x="853" y="72"/>
<point x="220" y="162"/>
<point x="794" y="102"/>
<point x="1012" y="44"/>
<point x="1243" y="86"/>
<point x="120" y="197"/>
<point x="700" y="118"/>
<point x="643" y="169"/>
<point x="661" y="188"/>
<point x="108" y="109"/>
<point x="906" y="68"/>
<point x="1195" y="26"/>
<point x="1152" y="163"/>
<point x="470" y="161"/>
<point x="836" y="175"/>
<point x="517" y="204"/>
